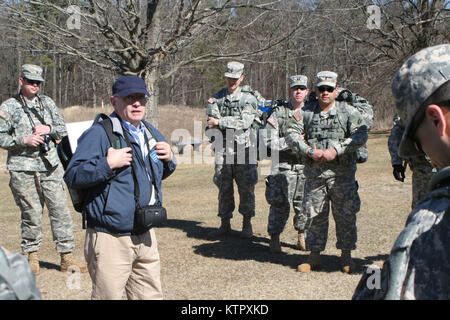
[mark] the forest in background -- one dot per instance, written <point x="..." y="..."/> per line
<point x="190" y="42"/>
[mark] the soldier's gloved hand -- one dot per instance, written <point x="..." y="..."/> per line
<point x="399" y="172"/>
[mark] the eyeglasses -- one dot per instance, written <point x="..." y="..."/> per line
<point x="298" y="88"/>
<point x="325" y="88"/>
<point x="131" y="99"/>
<point x="33" y="82"/>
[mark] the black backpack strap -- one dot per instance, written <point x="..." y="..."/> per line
<point x="106" y="123"/>
<point x="152" y="133"/>
<point x="149" y="128"/>
<point x="64" y="151"/>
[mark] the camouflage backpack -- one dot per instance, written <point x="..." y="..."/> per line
<point x="363" y="106"/>
<point x="366" y="110"/>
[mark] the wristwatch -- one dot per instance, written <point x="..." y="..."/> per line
<point x="310" y="152"/>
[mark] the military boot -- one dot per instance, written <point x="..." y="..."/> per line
<point x="275" y="246"/>
<point x="247" y="230"/>
<point x="301" y="243"/>
<point x="33" y="261"/>
<point x="224" y="229"/>
<point x="67" y="261"/>
<point x="313" y="263"/>
<point x="346" y="262"/>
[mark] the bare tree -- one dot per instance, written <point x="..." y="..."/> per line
<point x="139" y="37"/>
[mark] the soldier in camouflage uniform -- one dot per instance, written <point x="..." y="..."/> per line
<point x="35" y="170"/>
<point x="422" y="170"/>
<point x="329" y="132"/>
<point x="17" y="281"/>
<point x="418" y="266"/>
<point x="231" y="112"/>
<point x="285" y="185"/>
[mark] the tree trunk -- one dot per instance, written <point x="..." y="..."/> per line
<point x="94" y="91"/>
<point x="66" y="91"/>
<point x="54" y="87"/>
<point x="152" y="74"/>
<point x="59" y="81"/>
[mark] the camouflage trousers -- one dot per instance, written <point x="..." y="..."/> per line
<point x="246" y="177"/>
<point x="282" y="190"/>
<point x="342" y="193"/>
<point x="31" y="190"/>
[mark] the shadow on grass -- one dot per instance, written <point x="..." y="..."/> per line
<point x="49" y="265"/>
<point x="234" y="247"/>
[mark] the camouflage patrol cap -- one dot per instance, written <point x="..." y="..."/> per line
<point x="298" y="80"/>
<point x="416" y="80"/>
<point x="326" y="78"/>
<point x="234" y="70"/>
<point x="31" y="72"/>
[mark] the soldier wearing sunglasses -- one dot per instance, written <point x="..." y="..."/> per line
<point x="328" y="133"/>
<point x="30" y="126"/>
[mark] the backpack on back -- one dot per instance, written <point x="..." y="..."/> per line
<point x="65" y="155"/>
<point x="360" y="104"/>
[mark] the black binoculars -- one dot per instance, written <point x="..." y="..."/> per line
<point x="45" y="147"/>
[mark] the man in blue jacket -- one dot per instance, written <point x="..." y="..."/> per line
<point x="118" y="255"/>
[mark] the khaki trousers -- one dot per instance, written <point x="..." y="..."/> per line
<point x="117" y="262"/>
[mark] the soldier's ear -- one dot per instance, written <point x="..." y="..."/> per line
<point x="438" y="118"/>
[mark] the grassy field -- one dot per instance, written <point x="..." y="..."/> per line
<point x="195" y="267"/>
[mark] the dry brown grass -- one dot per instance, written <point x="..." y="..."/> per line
<point x="195" y="267"/>
<point x="171" y="117"/>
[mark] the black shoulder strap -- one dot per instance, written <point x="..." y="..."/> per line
<point x="149" y="128"/>
<point x="107" y="125"/>
<point x="133" y="169"/>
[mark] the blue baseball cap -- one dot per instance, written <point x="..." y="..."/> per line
<point x="126" y="85"/>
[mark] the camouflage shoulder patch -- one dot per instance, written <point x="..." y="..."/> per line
<point x="297" y="116"/>
<point x="3" y="114"/>
<point x="211" y="100"/>
<point x="273" y="122"/>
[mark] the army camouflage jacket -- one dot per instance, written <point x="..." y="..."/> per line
<point x="419" y="162"/>
<point x="341" y="128"/>
<point x="17" y="281"/>
<point x="15" y="125"/>
<point x="236" y="112"/>
<point x="419" y="264"/>
<point x="275" y="131"/>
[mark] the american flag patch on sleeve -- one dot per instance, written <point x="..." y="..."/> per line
<point x="3" y="114"/>
<point x="272" y="121"/>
